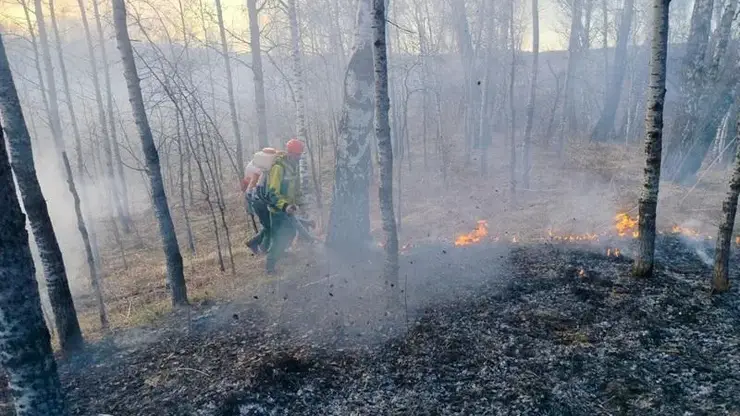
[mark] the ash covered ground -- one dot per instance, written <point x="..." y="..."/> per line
<point x="482" y="330"/>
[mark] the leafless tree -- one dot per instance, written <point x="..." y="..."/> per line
<point x="645" y="258"/>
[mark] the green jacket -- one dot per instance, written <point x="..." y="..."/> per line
<point x="283" y="183"/>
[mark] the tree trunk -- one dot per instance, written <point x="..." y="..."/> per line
<point x="60" y="297"/>
<point x="645" y="258"/>
<point x="300" y="105"/>
<point x="383" y="133"/>
<point x="259" y="83"/>
<point x="568" y="121"/>
<point x="604" y="130"/>
<point x="349" y="221"/>
<point x="527" y="157"/>
<point x="692" y="80"/>
<point x="81" y="226"/>
<point x="721" y="281"/>
<point x="704" y="95"/>
<point x="25" y="347"/>
<point x="175" y="275"/>
<point x="512" y="107"/>
<point x="465" y="45"/>
<point x="230" y="89"/>
<point x="110" y="142"/>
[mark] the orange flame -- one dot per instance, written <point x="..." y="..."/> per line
<point x="481" y="231"/>
<point x="626" y="225"/>
<point x="613" y="252"/>
<point x="581" y="273"/>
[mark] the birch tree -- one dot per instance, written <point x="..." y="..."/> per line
<point x="645" y="258"/>
<point x="259" y="81"/>
<point x="25" y="345"/>
<point x="349" y="221"/>
<point x="230" y="90"/>
<point x="175" y="273"/>
<point x="526" y="148"/>
<point x="298" y="91"/>
<point x="385" y="148"/>
<point x="51" y="257"/>
<point x="720" y="280"/>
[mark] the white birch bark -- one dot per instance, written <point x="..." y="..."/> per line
<point x="349" y="222"/>
<point x="385" y="148"/>
<point x="259" y="83"/>
<point x="25" y="344"/>
<point x="645" y="258"/>
<point x="300" y="105"/>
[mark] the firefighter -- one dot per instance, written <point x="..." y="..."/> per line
<point x="283" y="189"/>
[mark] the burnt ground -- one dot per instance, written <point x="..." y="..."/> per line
<point x="482" y="330"/>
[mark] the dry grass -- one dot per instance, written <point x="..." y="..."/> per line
<point x="578" y="194"/>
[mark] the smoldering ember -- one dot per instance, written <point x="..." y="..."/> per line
<point x="369" y="207"/>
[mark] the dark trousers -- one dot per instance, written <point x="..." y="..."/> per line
<point x="262" y="239"/>
<point x="281" y="235"/>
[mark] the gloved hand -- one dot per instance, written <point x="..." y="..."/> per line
<point x="291" y="209"/>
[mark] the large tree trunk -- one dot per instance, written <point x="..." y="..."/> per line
<point x="720" y="280"/>
<point x="604" y="130"/>
<point x="645" y="258"/>
<point x="568" y="121"/>
<point x="60" y="296"/>
<point x="467" y="55"/>
<point x="706" y="96"/>
<point x="526" y="157"/>
<point x="230" y="89"/>
<point x="175" y="275"/>
<point x="110" y="141"/>
<point x="300" y="105"/>
<point x="693" y="81"/>
<point x="25" y="345"/>
<point x="349" y="222"/>
<point x="385" y="149"/>
<point x="259" y="83"/>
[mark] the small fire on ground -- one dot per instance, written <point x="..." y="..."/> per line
<point x="625" y="226"/>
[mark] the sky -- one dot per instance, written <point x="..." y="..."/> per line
<point x="550" y="36"/>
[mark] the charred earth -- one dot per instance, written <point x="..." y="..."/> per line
<point x="537" y="329"/>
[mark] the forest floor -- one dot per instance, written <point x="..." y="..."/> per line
<point x="486" y="329"/>
<point x="517" y="324"/>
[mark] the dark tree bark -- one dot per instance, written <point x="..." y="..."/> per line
<point x="349" y="221"/>
<point x="60" y="297"/>
<point x="720" y="280"/>
<point x="385" y="148"/>
<point x="259" y="83"/>
<point x="604" y="130"/>
<point x="175" y="275"/>
<point x="25" y="344"/>
<point x="645" y="258"/>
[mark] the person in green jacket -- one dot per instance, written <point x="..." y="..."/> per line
<point x="284" y="190"/>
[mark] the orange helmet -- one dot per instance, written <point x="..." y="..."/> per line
<point x="294" y="146"/>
